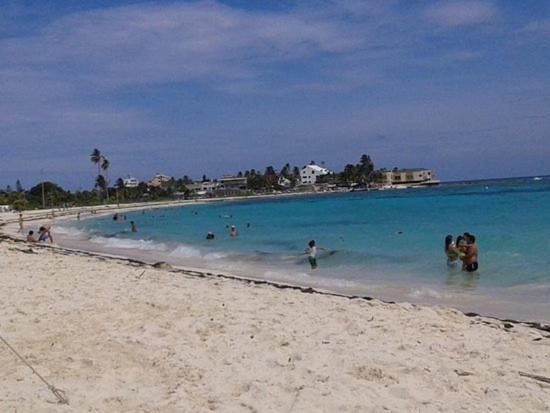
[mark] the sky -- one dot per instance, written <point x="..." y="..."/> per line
<point x="214" y="87"/>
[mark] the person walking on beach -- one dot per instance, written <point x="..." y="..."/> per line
<point x="20" y="222"/>
<point x="133" y="226"/>
<point x="470" y="263"/>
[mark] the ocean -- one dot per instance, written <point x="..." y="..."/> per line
<point x="387" y="244"/>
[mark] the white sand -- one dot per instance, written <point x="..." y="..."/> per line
<point x="122" y="338"/>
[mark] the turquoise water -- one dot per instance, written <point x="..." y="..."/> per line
<point x="377" y="239"/>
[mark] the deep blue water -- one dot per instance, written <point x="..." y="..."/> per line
<point x="377" y="237"/>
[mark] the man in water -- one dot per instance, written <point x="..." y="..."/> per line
<point x="133" y="226"/>
<point x="210" y="235"/>
<point x="470" y="259"/>
<point x="233" y="231"/>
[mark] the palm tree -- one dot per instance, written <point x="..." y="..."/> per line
<point x="105" y="166"/>
<point x="100" y="182"/>
<point x="96" y="158"/>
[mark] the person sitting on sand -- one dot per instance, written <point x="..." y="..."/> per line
<point x="30" y="237"/>
<point x="133" y="226"/>
<point x="470" y="263"/>
<point x="451" y="251"/>
<point x="233" y="231"/>
<point x="44" y="233"/>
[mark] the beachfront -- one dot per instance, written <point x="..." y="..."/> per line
<point x="120" y="336"/>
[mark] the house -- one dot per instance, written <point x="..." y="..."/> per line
<point x="159" y="180"/>
<point x="310" y="173"/>
<point x="130" y="182"/>
<point x="232" y="183"/>
<point x="203" y="188"/>
<point x="284" y="182"/>
<point x="416" y="176"/>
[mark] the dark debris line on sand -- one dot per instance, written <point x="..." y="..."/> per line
<point x="508" y="324"/>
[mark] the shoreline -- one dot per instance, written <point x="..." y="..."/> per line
<point x="140" y="259"/>
<point x="121" y="335"/>
<point x="501" y="306"/>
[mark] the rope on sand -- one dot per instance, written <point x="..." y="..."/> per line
<point x="60" y="394"/>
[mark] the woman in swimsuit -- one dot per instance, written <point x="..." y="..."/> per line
<point x="451" y="251"/>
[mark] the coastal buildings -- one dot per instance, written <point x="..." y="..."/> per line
<point x="130" y="182"/>
<point x="232" y="183"/>
<point x="159" y="180"/>
<point x="310" y="173"/>
<point x="411" y="177"/>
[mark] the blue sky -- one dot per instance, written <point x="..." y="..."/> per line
<point x="186" y="88"/>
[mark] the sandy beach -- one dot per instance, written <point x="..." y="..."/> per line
<point x="120" y="336"/>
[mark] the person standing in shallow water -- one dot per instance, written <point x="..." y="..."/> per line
<point x="133" y="226"/>
<point x="451" y="251"/>
<point x="470" y="259"/>
<point x="311" y="251"/>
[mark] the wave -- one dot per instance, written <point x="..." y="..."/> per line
<point x="125" y="243"/>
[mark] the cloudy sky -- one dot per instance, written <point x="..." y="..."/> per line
<point x="215" y="87"/>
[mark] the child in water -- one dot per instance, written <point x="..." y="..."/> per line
<point x="311" y="250"/>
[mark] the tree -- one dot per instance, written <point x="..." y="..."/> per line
<point x="105" y="164"/>
<point x="100" y="182"/>
<point x="95" y="158"/>
<point x="119" y="183"/>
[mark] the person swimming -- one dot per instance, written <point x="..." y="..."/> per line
<point x="210" y="235"/>
<point x="233" y="231"/>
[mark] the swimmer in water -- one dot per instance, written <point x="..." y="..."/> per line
<point x="133" y="226"/>
<point x="210" y="235"/>
<point x="233" y="231"/>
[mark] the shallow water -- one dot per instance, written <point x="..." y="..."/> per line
<point x="384" y="243"/>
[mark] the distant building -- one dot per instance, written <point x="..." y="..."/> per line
<point x="203" y="188"/>
<point x="417" y="176"/>
<point x="130" y="182"/>
<point x="310" y="173"/>
<point x="232" y="183"/>
<point x="284" y="182"/>
<point x="160" y="180"/>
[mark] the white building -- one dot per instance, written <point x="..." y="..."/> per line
<point x="203" y="188"/>
<point x="310" y="173"/>
<point x="159" y="180"/>
<point x="130" y="182"/>
<point x="284" y="182"/>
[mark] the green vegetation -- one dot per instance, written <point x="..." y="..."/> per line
<point x="52" y="195"/>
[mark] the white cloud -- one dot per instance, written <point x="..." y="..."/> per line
<point x="453" y="14"/>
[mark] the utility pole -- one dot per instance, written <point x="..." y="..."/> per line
<point x="43" y="197"/>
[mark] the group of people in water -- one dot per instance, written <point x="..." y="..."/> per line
<point x="462" y="251"/>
